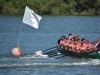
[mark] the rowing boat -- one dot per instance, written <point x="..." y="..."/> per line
<point x="57" y="52"/>
<point x="91" y="54"/>
<point x="61" y="51"/>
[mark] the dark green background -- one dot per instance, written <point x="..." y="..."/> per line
<point x="52" y="7"/>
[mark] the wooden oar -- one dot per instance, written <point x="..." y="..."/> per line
<point x="56" y="55"/>
<point x="53" y="53"/>
<point x="50" y="52"/>
<point x="49" y="49"/>
<point x="60" y="57"/>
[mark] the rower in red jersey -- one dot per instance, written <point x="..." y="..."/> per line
<point x="82" y="48"/>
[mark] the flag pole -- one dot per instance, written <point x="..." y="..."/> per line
<point x="17" y="50"/>
<point x="18" y="43"/>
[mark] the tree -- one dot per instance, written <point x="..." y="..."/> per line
<point x="55" y="7"/>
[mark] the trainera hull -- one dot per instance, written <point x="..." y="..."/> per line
<point x="92" y="54"/>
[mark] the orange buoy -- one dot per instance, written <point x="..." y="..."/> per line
<point x="16" y="51"/>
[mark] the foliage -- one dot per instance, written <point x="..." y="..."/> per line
<point x="52" y="7"/>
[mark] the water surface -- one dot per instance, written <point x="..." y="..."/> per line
<point x="31" y="40"/>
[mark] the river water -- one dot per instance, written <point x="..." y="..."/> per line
<point x="31" y="40"/>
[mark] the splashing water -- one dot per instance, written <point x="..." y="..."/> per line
<point x="34" y="61"/>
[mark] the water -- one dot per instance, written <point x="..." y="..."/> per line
<point x="31" y="40"/>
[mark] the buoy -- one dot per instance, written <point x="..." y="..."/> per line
<point x="16" y="51"/>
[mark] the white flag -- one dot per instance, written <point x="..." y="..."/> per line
<point x="31" y="18"/>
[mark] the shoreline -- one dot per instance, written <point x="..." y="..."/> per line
<point x="75" y="14"/>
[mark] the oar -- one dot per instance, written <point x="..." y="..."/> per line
<point x="50" y="52"/>
<point x="53" y="53"/>
<point x="57" y="55"/>
<point x="61" y="56"/>
<point x="49" y="49"/>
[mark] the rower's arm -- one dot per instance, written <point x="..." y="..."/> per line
<point x="77" y="35"/>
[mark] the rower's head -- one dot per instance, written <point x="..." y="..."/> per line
<point x="92" y="42"/>
<point x="87" y="41"/>
<point x="63" y="37"/>
<point x="78" y="39"/>
<point x="75" y="42"/>
<point x="83" y="40"/>
<point x="70" y="34"/>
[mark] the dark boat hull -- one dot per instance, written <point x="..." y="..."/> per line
<point x="92" y="54"/>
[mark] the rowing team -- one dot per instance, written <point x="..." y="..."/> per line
<point x="73" y="43"/>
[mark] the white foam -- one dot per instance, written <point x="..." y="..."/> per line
<point x="94" y="62"/>
<point x="91" y="62"/>
<point x="34" y="57"/>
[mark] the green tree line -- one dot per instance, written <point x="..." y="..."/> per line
<point x="51" y="7"/>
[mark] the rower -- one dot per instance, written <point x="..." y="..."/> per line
<point x="82" y="48"/>
<point x="97" y="45"/>
<point x="70" y="37"/>
<point x="61" y="42"/>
